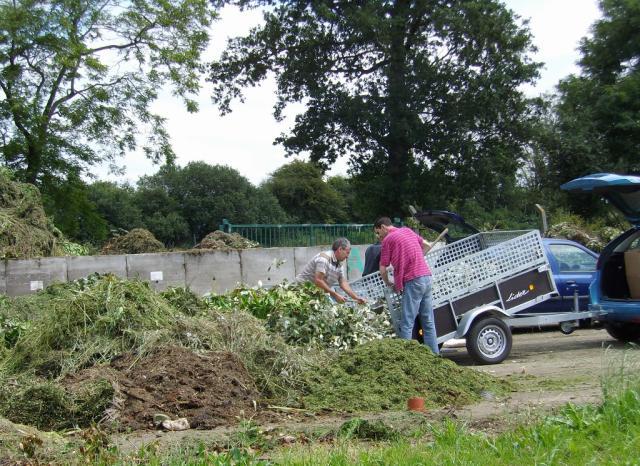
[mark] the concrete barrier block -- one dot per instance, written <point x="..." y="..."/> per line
<point x="212" y="271"/>
<point x="83" y="266"/>
<point x="269" y="266"/>
<point x="303" y="255"/>
<point x="161" y="270"/>
<point x="3" y="277"/>
<point x="29" y="276"/>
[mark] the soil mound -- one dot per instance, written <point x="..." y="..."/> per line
<point x="225" y="241"/>
<point x="25" y="230"/>
<point x="137" y="241"/>
<point x="209" y="390"/>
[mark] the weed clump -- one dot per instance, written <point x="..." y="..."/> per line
<point x="367" y="430"/>
<point x="137" y="241"/>
<point x="383" y="374"/>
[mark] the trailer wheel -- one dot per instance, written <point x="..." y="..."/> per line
<point x="623" y="331"/>
<point x="489" y="341"/>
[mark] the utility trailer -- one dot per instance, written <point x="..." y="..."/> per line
<point x="482" y="286"/>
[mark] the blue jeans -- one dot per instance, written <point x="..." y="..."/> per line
<point x="416" y="301"/>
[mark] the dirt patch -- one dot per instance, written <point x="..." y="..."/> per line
<point x="209" y="390"/>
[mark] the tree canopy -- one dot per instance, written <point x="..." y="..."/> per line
<point x="203" y="195"/>
<point x="405" y="89"/>
<point x="305" y="196"/>
<point x="593" y="123"/>
<point x="77" y="79"/>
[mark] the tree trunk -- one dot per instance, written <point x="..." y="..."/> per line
<point x="397" y="140"/>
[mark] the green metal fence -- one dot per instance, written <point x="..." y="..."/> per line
<point x="308" y="234"/>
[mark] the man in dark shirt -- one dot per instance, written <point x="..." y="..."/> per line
<point x="372" y="259"/>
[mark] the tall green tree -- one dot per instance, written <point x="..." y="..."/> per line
<point x="403" y="88"/>
<point x="116" y="204"/>
<point x="304" y="195"/>
<point x="203" y="195"/>
<point x="593" y="124"/>
<point x="77" y="78"/>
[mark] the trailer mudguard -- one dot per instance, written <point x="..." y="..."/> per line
<point x="469" y="317"/>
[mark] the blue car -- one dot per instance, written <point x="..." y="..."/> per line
<point x="616" y="287"/>
<point x="573" y="265"/>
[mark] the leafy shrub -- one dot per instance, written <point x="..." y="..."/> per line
<point x="303" y="315"/>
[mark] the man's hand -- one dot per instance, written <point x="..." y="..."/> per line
<point x="338" y="297"/>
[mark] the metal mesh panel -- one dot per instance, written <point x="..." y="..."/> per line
<point x="370" y="287"/>
<point x="465" y="266"/>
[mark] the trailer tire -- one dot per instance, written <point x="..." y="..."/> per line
<point x="623" y="331"/>
<point x="489" y="341"/>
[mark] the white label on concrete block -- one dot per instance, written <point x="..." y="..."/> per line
<point x="156" y="276"/>
<point x="36" y="285"/>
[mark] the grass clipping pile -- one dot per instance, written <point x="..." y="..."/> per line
<point x="110" y="351"/>
<point x="137" y="241"/>
<point x="115" y="352"/>
<point x="25" y="230"/>
<point x="382" y="374"/>
<point x="225" y="241"/>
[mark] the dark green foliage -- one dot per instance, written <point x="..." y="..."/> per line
<point x="305" y="196"/>
<point x="73" y="210"/>
<point x="185" y="301"/>
<point x="65" y="108"/>
<point x="419" y="95"/>
<point x="116" y="204"/>
<point x="202" y="195"/>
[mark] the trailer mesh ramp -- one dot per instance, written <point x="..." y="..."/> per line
<point x="479" y="260"/>
<point x="465" y="266"/>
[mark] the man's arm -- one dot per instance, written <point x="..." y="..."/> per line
<point x="344" y="284"/>
<point x="321" y="282"/>
<point x="384" y="273"/>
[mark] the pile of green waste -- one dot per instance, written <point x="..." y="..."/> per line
<point x="225" y="241"/>
<point x="69" y="329"/>
<point x="383" y="374"/>
<point x="25" y="230"/>
<point x="137" y="241"/>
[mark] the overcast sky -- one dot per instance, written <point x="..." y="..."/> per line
<point x="243" y="139"/>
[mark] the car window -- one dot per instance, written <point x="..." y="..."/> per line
<point x="572" y="259"/>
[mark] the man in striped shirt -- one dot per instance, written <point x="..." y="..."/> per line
<point x="403" y="249"/>
<point x="327" y="268"/>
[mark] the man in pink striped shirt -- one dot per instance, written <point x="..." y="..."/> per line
<point x="403" y="249"/>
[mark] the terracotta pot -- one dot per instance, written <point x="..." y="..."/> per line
<point x="415" y="403"/>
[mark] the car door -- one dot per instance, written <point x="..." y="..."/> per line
<point x="575" y="268"/>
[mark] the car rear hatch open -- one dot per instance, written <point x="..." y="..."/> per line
<point x="623" y="191"/>
<point x="438" y="220"/>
